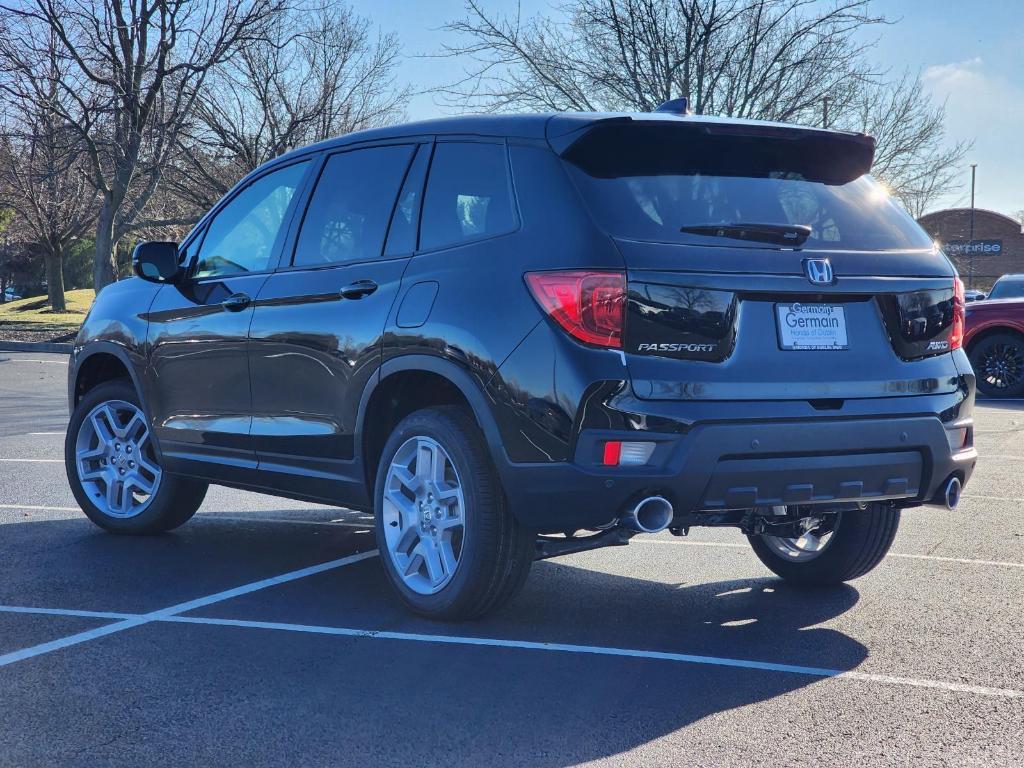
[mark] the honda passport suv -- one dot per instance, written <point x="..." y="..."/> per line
<point x="516" y="337"/>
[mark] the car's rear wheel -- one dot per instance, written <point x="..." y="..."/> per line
<point x="998" y="363"/>
<point x="448" y="542"/>
<point x="835" y="547"/>
<point x="113" y="468"/>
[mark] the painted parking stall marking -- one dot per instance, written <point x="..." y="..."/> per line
<point x="172" y="615"/>
<point x="164" y="613"/>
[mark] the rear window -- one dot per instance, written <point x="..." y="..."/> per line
<point x="650" y="182"/>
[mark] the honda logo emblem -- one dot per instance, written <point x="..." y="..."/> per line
<point x="819" y="271"/>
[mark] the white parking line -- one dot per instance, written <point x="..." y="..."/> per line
<point x="986" y="497"/>
<point x="209" y="516"/>
<point x="32" y="461"/>
<point x="165" y="613"/>
<point x="30" y="360"/>
<point x="368" y="525"/>
<point x="171" y="615"/>
<point x="46" y="433"/>
<point x="66" y="612"/>
<point x="217" y="516"/>
<point x="936" y="558"/>
<point x="38" y="508"/>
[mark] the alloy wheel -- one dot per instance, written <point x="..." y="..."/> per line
<point x="814" y="540"/>
<point x="424" y="515"/>
<point x="115" y="461"/>
<point x="1002" y="366"/>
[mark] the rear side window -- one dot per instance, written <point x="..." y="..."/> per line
<point x="654" y="182"/>
<point x="348" y="214"/>
<point x="468" y="195"/>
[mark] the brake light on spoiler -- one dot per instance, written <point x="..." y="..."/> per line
<point x="588" y="305"/>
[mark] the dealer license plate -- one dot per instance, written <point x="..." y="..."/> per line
<point x="811" y="326"/>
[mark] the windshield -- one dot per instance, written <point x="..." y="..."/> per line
<point x="665" y="186"/>
<point x="1007" y="289"/>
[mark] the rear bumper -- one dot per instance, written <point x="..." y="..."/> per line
<point x="733" y="465"/>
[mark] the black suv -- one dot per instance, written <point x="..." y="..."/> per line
<point x="513" y="337"/>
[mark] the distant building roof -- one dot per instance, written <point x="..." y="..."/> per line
<point x="992" y="218"/>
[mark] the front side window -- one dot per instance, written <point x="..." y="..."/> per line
<point x="243" y="235"/>
<point x="468" y="195"/>
<point x="348" y="214"/>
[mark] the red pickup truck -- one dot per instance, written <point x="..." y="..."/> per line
<point x="994" y="340"/>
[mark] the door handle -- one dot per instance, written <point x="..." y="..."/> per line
<point x="236" y="302"/>
<point x="358" y="289"/>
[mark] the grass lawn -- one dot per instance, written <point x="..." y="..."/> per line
<point x="34" y="317"/>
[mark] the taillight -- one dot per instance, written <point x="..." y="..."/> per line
<point x="589" y="306"/>
<point x="956" y="332"/>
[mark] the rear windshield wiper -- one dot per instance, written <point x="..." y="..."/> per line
<point x="778" y="234"/>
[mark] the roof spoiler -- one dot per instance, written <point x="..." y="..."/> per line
<point x="852" y="153"/>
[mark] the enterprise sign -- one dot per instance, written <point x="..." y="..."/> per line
<point x="973" y="247"/>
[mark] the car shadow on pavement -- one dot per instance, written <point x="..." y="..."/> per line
<point x="242" y="696"/>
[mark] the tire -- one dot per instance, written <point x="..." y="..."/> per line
<point x="860" y="539"/>
<point x="492" y="552"/>
<point x="173" y="500"/>
<point x="998" y="363"/>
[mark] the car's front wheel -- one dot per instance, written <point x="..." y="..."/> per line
<point x="114" y="471"/>
<point x="449" y="544"/>
<point x="829" y="547"/>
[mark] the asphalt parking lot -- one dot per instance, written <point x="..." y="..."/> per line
<point x="262" y="633"/>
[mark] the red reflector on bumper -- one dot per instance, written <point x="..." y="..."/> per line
<point x="612" y="451"/>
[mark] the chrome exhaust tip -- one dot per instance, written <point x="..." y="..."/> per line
<point x="650" y="515"/>
<point x="952" y="493"/>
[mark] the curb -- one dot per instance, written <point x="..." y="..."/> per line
<point x="35" y="346"/>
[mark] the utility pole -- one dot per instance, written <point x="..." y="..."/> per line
<point x="824" y="112"/>
<point x="970" y="240"/>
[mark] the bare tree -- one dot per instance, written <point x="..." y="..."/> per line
<point x="913" y="157"/>
<point x="43" y="179"/>
<point x="142" y="63"/>
<point x="760" y="59"/>
<point x="321" y="72"/>
<point x="766" y="59"/>
<point x="8" y="259"/>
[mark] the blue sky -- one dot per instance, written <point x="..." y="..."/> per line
<point x="970" y="54"/>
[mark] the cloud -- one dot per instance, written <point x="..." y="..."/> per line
<point x="949" y="75"/>
<point x="986" y="108"/>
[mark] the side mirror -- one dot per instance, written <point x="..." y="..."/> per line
<point x="156" y="261"/>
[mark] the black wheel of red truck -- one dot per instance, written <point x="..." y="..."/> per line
<point x="450" y="546"/>
<point x="998" y="363"/>
<point x="843" y="547"/>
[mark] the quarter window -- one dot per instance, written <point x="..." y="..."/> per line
<point x="244" y="234"/>
<point x="468" y="195"/>
<point x="406" y="219"/>
<point x="348" y="214"/>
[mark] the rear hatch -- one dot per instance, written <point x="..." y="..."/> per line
<point x="763" y="263"/>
